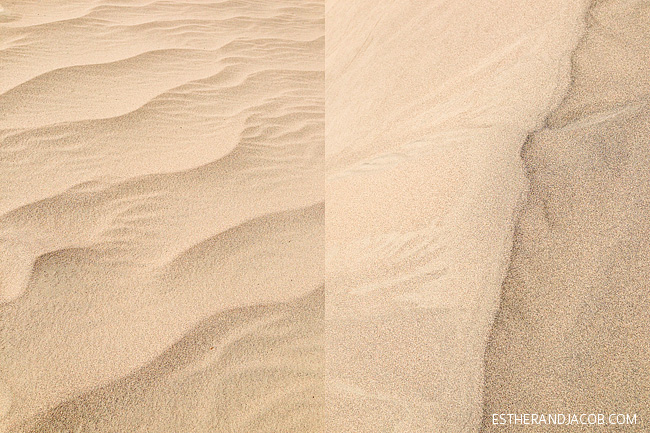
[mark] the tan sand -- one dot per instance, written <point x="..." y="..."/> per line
<point x="161" y="170"/>
<point x="428" y="104"/>
<point x="573" y="331"/>
<point x="187" y="244"/>
<point x="257" y="369"/>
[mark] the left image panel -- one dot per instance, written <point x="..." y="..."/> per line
<point x="161" y="216"/>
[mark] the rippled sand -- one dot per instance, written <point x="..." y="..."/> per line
<point x="161" y="212"/>
<point x="188" y="244"/>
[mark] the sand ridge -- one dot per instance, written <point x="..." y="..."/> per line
<point x="295" y="216"/>
<point x="571" y="334"/>
<point x="161" y="165"/>
<point x="427" y="106"/>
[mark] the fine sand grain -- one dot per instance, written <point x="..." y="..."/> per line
<point x="188" y="244"/>
<point x="428" y="104"/>
<point x="161" y="216"/>
<point x="573" y="331"/>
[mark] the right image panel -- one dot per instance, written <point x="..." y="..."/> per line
<point x="571" y="339"/>
<point x="486" y="215"/>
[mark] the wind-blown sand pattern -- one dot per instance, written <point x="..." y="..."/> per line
<point x="188" y="243"/>
<point x="214" y="374"/>
<point x="161" y="215"/>
<point x="428" y="104"/>
<point x="573" y="330"/>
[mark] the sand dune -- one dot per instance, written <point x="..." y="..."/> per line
<point x="255" y="369"/>
<point x="161" y="164"/>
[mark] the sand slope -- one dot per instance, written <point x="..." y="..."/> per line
<point x="572" y="331"/>
<point x="160" y="163"/>
<point x="427" y="106"/>
<point x="254" y="369"/>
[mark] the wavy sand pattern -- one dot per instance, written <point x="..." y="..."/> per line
<point x="161" y="190"/>
<point x="188" y="243"/>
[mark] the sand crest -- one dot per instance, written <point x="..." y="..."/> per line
<point x="428" y="104"/>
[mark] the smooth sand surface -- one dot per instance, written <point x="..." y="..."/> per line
<point x="428" y="104"/>
<point x="161" y="216"/>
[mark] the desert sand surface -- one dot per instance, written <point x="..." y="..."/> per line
<point x="427" y="106"/>
<point x="161" y="216"/>
<point x="346" y="216"/>
<point x="573" y="330"/>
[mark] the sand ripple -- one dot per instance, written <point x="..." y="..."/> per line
<point x="161" y="165"/>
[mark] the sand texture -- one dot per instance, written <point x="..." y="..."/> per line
<point x="573" y="330"/>
<point x="162" y="218"/>
<point x="428" y="104"/>
<point x="337" y="216"/>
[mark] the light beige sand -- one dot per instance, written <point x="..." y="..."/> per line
<point x="187" y="244"/>
<point x="257" y="369"/>
<point x="161" y="165"/>
<point x="428" y="104"/>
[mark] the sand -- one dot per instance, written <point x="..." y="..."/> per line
<point x="161" y="189"/>
<point x="428" y="104"/>
<point x="573" y="331"/>
<point x="295" y="216"/>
